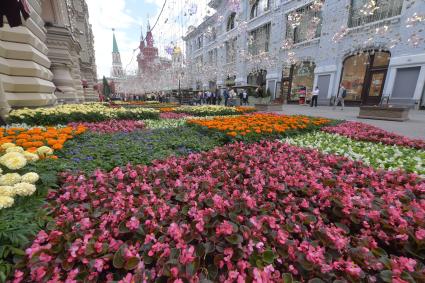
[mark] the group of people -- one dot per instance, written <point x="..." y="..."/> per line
<point x="229" y="95"/>
<point x="336" y="100"/>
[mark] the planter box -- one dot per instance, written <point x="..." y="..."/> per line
<point x="269" y="107"/>
<point x="384" y="113"/>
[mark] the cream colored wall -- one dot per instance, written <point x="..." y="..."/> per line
<point x="25" y="77"/>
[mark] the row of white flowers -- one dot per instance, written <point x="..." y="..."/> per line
<point x="374" y="154"/>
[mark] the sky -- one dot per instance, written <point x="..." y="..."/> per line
<point x="127" y="17"/>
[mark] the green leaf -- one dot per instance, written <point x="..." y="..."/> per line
<point x="386" y="276"/>
<point x="131" y="263"/>
<point x="234" y="239"/>
<point x="118" y="260"/>
<point x="268" y="256"/>
<point x="316" y="280"/>
<point x="287" y="278"/>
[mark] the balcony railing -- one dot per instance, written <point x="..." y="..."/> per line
<point x="385" y="9"/>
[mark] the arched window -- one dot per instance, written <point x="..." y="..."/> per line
<point x="259" y="7"/>
<point x="231" y="21"/>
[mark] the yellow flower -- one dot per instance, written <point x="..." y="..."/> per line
<point x="31" y="157"/>
<point x="15" y="149"/>
<point x="7" y="191"/>
<point x="31" y="178"/>
<point x="44" y="150"/>
<point x="13" y="160"/>
<point x="10" y="179"/>
<point x="7" y="145"/>
<point x="24" y="189"/>
<point x="6" y="202"/>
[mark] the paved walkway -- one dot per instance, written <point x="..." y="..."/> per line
<point x="414" y="128"/>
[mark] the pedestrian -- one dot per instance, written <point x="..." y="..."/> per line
<point x="214" y="97"/>
<point x="342" y="94"/>
<point x="240" y="98"/>
<point x="245" y="97"/>
<point x="226" y="97"/>
<point x="315" y="96"/>
<point x="218" y="96"/>
<point x="232" y="95"/>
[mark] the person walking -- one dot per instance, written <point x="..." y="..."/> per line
<point x="245" y="97"/>
<point x="218" y="96"/>
<point x="315" y="96"/>
<point x="342" y="94"/>
<point x="241" y="98"/>
<point x="226" y="97"/>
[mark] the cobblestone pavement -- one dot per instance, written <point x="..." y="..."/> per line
<point x="414" y="128"/>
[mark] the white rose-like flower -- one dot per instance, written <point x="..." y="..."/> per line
<point x="31" y="157"/>
<point x="7" y="145"/>
<point x="45" y="150"/>
<point x="24" y="189"/>
<point x="10" y="179"/>
<point x="13" y="160"/>
<point x="6" y="202"/>
<point x="7" y="191"/>
<point x="31" y="178"/>
<point x="15" y="149"/>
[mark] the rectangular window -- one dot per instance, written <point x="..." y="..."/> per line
<point x="212" y="57"/>
<point x="231" y="50"/>
<point x="259" y="40"/>
<point x="366" y="11"/>
<point x="304" y="23"/>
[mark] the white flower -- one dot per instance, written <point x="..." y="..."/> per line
<point x="6" y="202"/>
<point x="31" y="157"/>
<point x="10" y="179"/>
<point x="24" y="189"/>
<point x="31" y="178"/>
<point x="7" y="191"/>
<point x="13" y="160"/>
<point x="15" y="149"/>
<point x="44" y="150"/>
<point x="7" y="145"/>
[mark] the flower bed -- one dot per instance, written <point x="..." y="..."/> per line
<point x="264" y="212"/>
<point x="65" y="114"/>
<point x="107" y="151"/>
<point x="258" y="126"/>
<point x="111" y="126"/>
<point x="374" y="154"/>
<point x="170" y="115"/>
<point x="164" y="123"/>
<point x="365" y="132"/>
<point x="213" y="110"/>
<point x="34" y="138"/>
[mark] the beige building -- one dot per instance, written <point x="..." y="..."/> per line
<point x="50" y="58"/>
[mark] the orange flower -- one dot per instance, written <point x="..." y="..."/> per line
<point x="57" y="146"/>
<point x="259" y="123"/>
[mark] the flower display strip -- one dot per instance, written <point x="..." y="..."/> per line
<point x="375" y="154"/>
<point x="241" y="212"/>
<point x="111" y="126"/>
<point x="365" y="132"/>
<point x="257" y="126"/>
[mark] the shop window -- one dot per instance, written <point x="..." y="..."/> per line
<point x="364" y="76"/>
<point x="354" y="75"/>
<point x="302" y="80"/>
<point x="231" y="21"/>
<point x="366" y="11"/>
<point x="259" y="40"/>
<point x="305" y="23"/>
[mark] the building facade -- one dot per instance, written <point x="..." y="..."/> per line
<point x="50" y="58"/>
<point x="374" y="48"/>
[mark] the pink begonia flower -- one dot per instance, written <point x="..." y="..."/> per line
<point x="187" y="255"/>
<point x="133" y="224"/>
<point x="225" y="228"/>
<point x="18" y="276"/>
<point x="45" y="257"/>
<point x="420" y="234"/>
<point x="98" y="264"/>
<point x="174" y="271"/>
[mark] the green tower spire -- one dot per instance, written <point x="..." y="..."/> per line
<point x="115" y="45"/>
